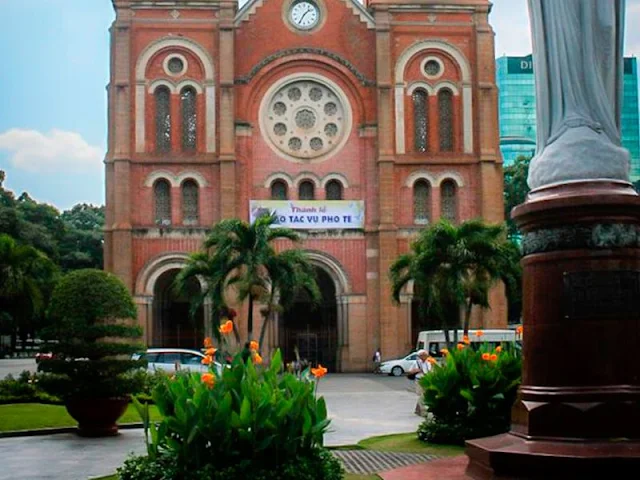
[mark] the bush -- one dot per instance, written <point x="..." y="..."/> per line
<point x="23" y="389"/>
<point x="471" y="394"/>
<point x="248" y="422"/>
<point x="91" y="338"/>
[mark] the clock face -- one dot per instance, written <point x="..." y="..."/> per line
<point x="305" y="15"/>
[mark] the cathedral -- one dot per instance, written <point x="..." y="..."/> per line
<point x="357" y="124"/>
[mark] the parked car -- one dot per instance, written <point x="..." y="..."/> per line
<point x="399" y="366"/>
<point x="172" y="359"/>
<point x="43" y="356"/>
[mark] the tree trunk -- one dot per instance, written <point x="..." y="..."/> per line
<point x="447" y="336"/>
<point x="467" y="318"/>
<point x="263" y="329"/>
<point x="250" y="319"/>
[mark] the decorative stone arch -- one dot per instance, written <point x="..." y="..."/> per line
<point x="333" y="267"/>
<point x="456" y="177"/>
<point x="420" y="175"/>
<point x="162" y="83"/>
<point x="335" y="176"/>
<point x="285" y="177"/>
<point x="189" y="83"/>
<point x="155" y="267"/>
<point x="420" y="85"/>
<point x="156" y="175"/>
<point x="309" y="176"/>
<point x="209" y="87"/>
<point x="191" y="175"/>
<point x="446" y="84"/>
<point x="467" y="91"/>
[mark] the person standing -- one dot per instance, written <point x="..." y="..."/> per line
<point x="421" y="369"/>
<point x="377" y="359"/>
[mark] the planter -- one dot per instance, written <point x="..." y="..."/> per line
<point x="97" y="417"/>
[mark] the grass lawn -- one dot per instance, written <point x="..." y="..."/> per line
<point x="31" y="416"/>
<point x="408" y="443"/>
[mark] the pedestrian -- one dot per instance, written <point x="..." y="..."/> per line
<point x="377" y="359"/>
<point x="422" y="367"/>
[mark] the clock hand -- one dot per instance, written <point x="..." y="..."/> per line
<point x="305" y="13"/>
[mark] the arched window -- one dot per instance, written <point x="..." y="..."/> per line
<point x="445" y="115"/>
<point x="421" y="202"/>
<point x="279" y="190"/>
<point x="306" y="191"/>
<point x="449" y="201"/>
<point x="162" y="200"/>
<point x="163" y="119"/>
<point x="333" y="190"/>
<point x="189" y="118"/>
<point x="190" y="208"/>
<point x="420" y="121"/>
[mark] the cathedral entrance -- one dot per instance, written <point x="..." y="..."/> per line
<point x="312" y="331"/>
<point x="172" y="324"/>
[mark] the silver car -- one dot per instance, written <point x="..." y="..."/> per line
<point x="171" y="360"/>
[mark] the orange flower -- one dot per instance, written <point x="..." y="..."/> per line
<point x="209" y="379"/>
<point x="208" y="343"/>
<point x="254" y="345"/>
<point x="226" y="327"/>
<point x="319" y="372"/>
<point x="444" y="352"/>
<point x="479" y="333"/>
<point x="486" y="356"/>
<point x="431" y="360"/>
<point x="257" y="359"/>
<point x="211" y="351"/>
<point x="494" y="357"/>
<point x="466" y="340"/>
<point x="498" y="349"/>
<point x="207" y="360"/>
<point x="519" y="330"/>
<point x="460" y="346"/>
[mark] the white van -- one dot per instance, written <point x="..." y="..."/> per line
<point x="434" y="340"/>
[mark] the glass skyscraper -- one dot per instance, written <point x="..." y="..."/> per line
<point x="517" y="109"/>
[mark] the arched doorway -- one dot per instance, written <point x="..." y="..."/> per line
<point x="173" y="326"/>
<point x="314" y="331"/>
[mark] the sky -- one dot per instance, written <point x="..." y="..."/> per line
<point x="53" y="113"/>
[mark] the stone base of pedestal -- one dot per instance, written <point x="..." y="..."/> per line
<point x="511" y="457"/>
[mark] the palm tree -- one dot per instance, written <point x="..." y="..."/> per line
<point x="24" y="275"/>
<point x="237" y="255"/>
<point x="453" y="266"/>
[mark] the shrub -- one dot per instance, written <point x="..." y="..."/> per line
<point x="247" y="422"/>
<point x="24" y="389"/>
<point x="91" y="338"/>
<point x="471" y="394"/>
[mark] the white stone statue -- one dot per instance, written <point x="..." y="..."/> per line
<point x="578" y="65"/>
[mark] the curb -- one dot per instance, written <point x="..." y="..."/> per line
<point x="58" y="430"/>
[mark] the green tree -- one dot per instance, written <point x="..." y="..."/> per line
<point x="82" y="244"/>
<point x="237" y="256"/>
<point x="454" y="266"/>
<point x="26" y="279"/>
<point x="515" y="189"/>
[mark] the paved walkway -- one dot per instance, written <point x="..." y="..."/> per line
<point x="443" y="469"/>
<point x="360" y="406"/>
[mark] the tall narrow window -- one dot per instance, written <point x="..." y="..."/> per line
<point x="279" y="190"/>
<point x="189" y="119"/>
<point x="190" y="208"/>
<point x="162" y="199"/>
<point x="449" y="201"/>
<point x="420" y="122"/>
<point x="333" y="190"/>
<point x="445" y="111"/>
<point x="306" y="191"/>
<point x="163" y="119"/>
<point x="421" y="202"/>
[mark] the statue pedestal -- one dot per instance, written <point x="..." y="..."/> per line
<point x="578" y="411"/>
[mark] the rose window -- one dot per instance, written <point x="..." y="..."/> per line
<point x="305" y="119"/>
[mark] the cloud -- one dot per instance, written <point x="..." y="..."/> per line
<point x="57" y="151"/>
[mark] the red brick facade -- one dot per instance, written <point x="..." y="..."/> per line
<point x="376" y="58"/>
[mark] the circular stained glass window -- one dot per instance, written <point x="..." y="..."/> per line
<point x="432" y="68"/>
<point x="304" y="119"/>
<point x="175" y="65"/>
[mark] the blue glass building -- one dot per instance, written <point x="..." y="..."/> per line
<point x="517" y="109"/>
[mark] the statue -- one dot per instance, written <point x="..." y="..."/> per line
<point x="577" y="55"/>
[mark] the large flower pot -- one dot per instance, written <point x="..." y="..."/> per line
<point x="97" y="417"/>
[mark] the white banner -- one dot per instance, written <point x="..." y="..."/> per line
<point x="311" y="214"/>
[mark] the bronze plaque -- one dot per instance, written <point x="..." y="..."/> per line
<point x="602" y="294"/>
